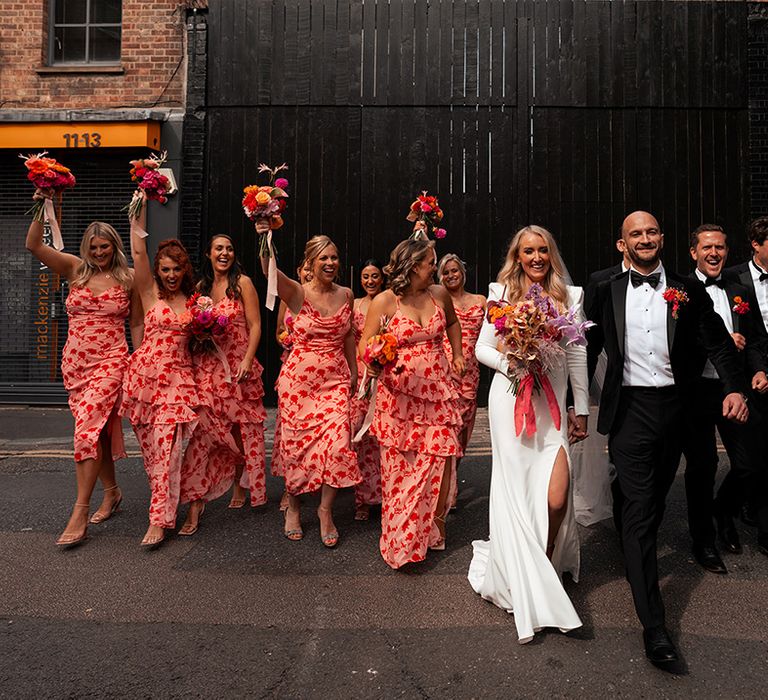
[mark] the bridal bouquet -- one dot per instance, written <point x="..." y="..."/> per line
<point x="206" y="325"/>
<point x="426" y="209"/>
<point x="535" y="334"/>
<point x="48" y="174"/>
<point x="145" y="172"/>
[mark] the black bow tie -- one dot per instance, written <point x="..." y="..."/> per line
<point x="763" y="274"/>
<point x="638" y="279"/>
<point x="715" y="280"/>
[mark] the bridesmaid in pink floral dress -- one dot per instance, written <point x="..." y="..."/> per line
<point x="93" y="361"/>
<point x="470" y="310"/>
<point x="416" y="419"/>
<point x="161" y="398"/>
<point x="284" y="336"/>
<point x="236" y="388"/>
<point x="314" y="388"/>
<point x="368" y="491"/>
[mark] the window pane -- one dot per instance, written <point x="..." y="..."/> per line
<point x="106" y="11"/>
<point x="105" y="44"/>
<point x="69" y="44"/>
<point x="71" y="11"/>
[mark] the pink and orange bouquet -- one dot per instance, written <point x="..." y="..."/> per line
<point x="206" y="324"/>
<point x="535" y="334"/>
<point x="426" y="209"/>
<point x="267" y="202"/>
<point x="381" y="349"/>
<point x="145" y="172"/>
<point x="46" y="174"/>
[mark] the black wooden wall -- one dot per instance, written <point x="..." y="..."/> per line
<point x="564" y="113"/>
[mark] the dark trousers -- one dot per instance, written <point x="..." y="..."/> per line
<point x="645" y="445"/>
<point x="703" y="413"/>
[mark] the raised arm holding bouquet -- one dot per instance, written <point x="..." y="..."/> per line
<point x="50" y="178"/>
<point x="265" y="204"/>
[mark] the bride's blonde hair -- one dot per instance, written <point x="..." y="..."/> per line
<point x="88" y="268"/>
<point x="512" y="275"/>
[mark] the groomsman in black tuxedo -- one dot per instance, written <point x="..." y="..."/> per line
<point x="709" y="250"/>
<point x="753" y="274"/>
<point x="651" y="322"/>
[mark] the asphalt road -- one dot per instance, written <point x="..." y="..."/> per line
<point x="239" y="611"/>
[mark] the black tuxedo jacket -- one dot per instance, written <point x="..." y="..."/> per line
<point x="697" y="326"/>
<point x="590" y="296"/>
<point x="753" y="358"/>
<point x="740" y="274"/>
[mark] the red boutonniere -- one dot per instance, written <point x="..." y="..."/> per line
<point x="677" y="297"/>
<point x="740" y="306"/>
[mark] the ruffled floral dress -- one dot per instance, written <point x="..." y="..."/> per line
<point x="93" y="363"/>
<point x="162" y="401"/>
<point x="471" y="320"/>
<point x="417" y="425"/>
<point x="368" y="491"/>
<point x="234" y="404"/>
<point x="313" y="402"/>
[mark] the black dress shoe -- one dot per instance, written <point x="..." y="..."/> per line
<point x="709" y="558"/>
<point x="729" y="536"/>
<point x="659" y="647"/>
<point x="749" y="515"/>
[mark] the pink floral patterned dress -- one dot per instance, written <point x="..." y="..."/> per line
<point x="162" y="401"/>
<point x="417" y="424"/>
<point x="471" y="320"/>
<point x="313" y="402"/>
<point x="368" y="491"/>
<point x="235" y="403"/>
<point x="93" y="364"/>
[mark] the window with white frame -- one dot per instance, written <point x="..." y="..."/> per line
<point x="85" y="31"/>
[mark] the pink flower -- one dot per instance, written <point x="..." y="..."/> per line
<point x="281" y="182"/>
<point x="440" y="233"/>
<point x="425" y="208"/>
<point x="204" y="317"/>
<point x="223" y="321"/>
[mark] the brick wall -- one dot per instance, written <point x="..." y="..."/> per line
<point x="152" y="54"/>
<point x="758" y="108"/>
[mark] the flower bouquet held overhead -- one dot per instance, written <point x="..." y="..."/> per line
<point x="51" y="178"/>
<point x="151" y="184"/>
<point x="380" y="353"/>
<point x="426" y="214"/>
<point x="535" y="334"/>
<point x="267" y="203"/>
<point x="206" y="325"/>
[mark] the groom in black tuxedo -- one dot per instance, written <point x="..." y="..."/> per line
<point x="651" y="322"/>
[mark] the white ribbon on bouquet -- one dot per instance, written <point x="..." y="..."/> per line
<point x="361" y="392"/>
<point x="271" y="275"/>
<point x="50" y="216"/>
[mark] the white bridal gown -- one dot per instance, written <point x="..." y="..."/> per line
<point x="511" y="569"/>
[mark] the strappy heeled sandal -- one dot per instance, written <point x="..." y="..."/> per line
<point x="440" y="545"/>
<point x="187" y="530"/>
<point x="97" y="517"/>
<point x="294" y="534"/>
<point x="68" y="541"/>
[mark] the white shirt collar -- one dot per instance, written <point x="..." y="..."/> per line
<point x="703" y="277"/>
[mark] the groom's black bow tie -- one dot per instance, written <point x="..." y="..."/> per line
<point x="638" y="279"/>
<point x="715" y="280"/>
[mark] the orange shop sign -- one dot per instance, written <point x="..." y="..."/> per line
<point x="41" y="135"/>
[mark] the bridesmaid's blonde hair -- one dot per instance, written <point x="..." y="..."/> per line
<point x="406" y="255"/>
<point x="511" y="274"/>
<point x="88" y="267"/>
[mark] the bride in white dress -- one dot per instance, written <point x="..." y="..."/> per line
<point x="533" y="536"/>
